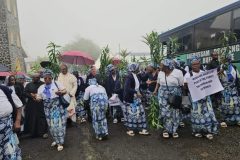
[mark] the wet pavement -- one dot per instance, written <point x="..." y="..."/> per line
<point x="81" y="145"/>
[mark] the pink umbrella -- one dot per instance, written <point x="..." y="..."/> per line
<point x="4" y="74"/>
<point x="77" y="58"/>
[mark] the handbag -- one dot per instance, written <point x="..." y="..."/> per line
<point x="62" y="100"/>
<point x="174" y="101"/>
<point x="186" y="105"/>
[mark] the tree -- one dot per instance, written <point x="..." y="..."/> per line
<point x="85" y="45"/>
<point x="153" y="41"/>
<point x="36" y="64"/>
<point x="173" y="47"/>
<point x="105" y="61"/>
<point x="54" y="57"/>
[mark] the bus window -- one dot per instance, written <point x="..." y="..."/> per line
<point x="207" y="33"/>
<point x="236" y="23"/>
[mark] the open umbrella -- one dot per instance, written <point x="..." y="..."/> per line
<point x="77" y="58"/>
<point x="4" y="74"/>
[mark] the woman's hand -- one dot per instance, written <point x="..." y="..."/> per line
<point x="139" y="95"/>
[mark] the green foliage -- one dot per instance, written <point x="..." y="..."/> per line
<point x="105" y="60"/>
<point x="36" y="64"/>
<point x="123" y="65"/>
<point x="153" y="116"/>
<point x="54" y="56"/>
<point x="83" y="69"/>
<point x="226" y="39"/>
<point x="85" y="45"/>
<point x="173" y="46"/>
<point x="153" y="41"/>
<point x="144" y="60"/>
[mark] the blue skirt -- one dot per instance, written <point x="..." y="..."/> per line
<point x="56" y="117"/>
<point x="169" y="116"/>
<point x="230" y="106"/>
<point x="203" y="117"/>
<point x="134" y="115"/>
<point x="9" y="149"/>
<point x="99" y="105"/>
<point x="80" y="111"/>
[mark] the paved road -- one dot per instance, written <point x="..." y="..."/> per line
<point x="81" y="145"/>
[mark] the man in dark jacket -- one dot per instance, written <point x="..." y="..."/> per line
<point x="213" y="65"/>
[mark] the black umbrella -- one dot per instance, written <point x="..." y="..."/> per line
<point x="45" y="64"/>
<point x="4" y="68"/>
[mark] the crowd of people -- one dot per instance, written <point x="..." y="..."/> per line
<point x="51" y="105"/>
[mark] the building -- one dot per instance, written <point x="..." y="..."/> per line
<point x="11" y="52"/>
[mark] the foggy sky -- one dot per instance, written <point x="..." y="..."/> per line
<point x="105" y="22"/>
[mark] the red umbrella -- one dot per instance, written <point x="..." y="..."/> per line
<point x="77" y="58"/>
<point x="4" y="74"/>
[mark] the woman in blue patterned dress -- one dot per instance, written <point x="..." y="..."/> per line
<point x="98" y="106"/>
<point x="134" y="114"/>
<point x="203" y="117"/>
<point x="55" y="114"/>
<point x="230" y="105"/>
<point x="170" y="81"/>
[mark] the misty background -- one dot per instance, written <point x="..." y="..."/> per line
<point x="113" y="22"/>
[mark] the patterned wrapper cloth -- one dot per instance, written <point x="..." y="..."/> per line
<point x="80" y="111"/>
<point x="98" y="106"/>
<point x="134" y="115"/>
<point x="56" y="117"/>
<point x="9" y="149"/>
<point x="169" y="116"/>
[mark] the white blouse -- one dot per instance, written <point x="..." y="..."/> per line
<point x="93" y="89"/>
<point x="6" y="107"/>
<point x="187" y="75"/>
<point x="52" y="89"/>
<point x="175" y="78"/>
<point x="137" y="84"/>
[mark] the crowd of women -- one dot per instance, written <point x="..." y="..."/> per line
<point x="51" y="104"/>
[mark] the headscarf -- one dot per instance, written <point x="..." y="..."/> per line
<point x="152" y="65"/>
<point x="133" y="67"/>
<point x="168" y="63"/>
<point x="20" y="77"/>
<point x="48" y="72"/>
<point x="195" y="59"/>
<point x="176" y="63"/>
<point x="110" y="68"/>
<point x="92" y="81"/>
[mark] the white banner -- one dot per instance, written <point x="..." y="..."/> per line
<point x="204" y="84"/>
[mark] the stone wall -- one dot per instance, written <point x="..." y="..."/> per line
<point x="10" y="41"/>
<point x="4" y="44"/>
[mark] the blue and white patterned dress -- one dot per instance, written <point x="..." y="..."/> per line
<point x="98" y="105"/>
<point x="134" y="115"/>
<point x="169" y="116"/>
<point x="202" y="115"/>
<point x="9" y="149"/>
<point x="80" y="111"/>
<point x="230" y="105"/>
<point x="56" y="115"/>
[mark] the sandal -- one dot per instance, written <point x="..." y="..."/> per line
<point x="165" y="134"/>
<point x="223" y="125"/>
<point x="83" y="120"/>
<point x="182" y="124"/>
<point x="131" y="133"/>
<point x="144" y="132"/>
<point x="238" y="123"/>
<point x="60" y="148"/>
<point x="198" y="135"/>
<point x="209" y="136"/>
<point x="53" y="144"/>
<point x="175" y="135"/>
